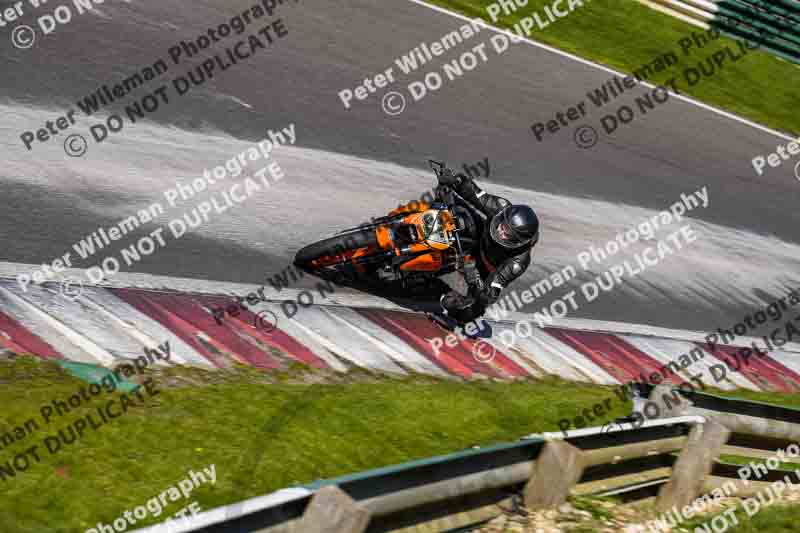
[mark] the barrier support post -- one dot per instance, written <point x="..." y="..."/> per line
<point x="557" y="469"/>
<point x="693" y="465"/>
<point x="331" y="510"/>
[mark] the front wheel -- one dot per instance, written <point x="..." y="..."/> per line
<point x="336" y="250"/>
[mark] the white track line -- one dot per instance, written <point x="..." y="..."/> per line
<point x="606" y="69"/>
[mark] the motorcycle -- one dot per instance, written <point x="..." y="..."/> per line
<point x="413" y="246"/>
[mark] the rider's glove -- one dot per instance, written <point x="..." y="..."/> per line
<point x="494" y="293"/>
<point x="489" y="296"/>
<point x="447" y="177"/>
<point x="472" y="276"/>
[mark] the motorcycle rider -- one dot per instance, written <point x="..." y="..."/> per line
<point x="500" y="235"/>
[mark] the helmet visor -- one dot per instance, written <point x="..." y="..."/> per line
<point x="504" y="233"/>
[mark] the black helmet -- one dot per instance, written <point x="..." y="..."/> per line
<point x="515" y="226"/>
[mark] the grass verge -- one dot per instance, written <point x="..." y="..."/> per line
<point x="625" y="35"/>
<point x="261" y="431"/>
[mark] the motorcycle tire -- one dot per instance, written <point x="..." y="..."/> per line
<point x="335" y="245"/>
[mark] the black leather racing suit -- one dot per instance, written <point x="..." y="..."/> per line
<point x="496" y="265"/>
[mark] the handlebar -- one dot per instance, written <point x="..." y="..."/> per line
<point x="437" y="166"/>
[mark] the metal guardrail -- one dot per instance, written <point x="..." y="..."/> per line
<point x="773" y="24"/>
<point x="668" y="456"/>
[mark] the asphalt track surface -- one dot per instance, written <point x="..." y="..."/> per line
<point x="348" y="165"/>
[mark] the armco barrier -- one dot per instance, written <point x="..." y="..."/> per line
<point x="465" y="488"/>
<point x="674" y="459"/>
<point x="774" y="25"/>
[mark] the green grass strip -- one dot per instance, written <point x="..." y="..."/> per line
<point x="261" y="436"/>
<point x="261" y="431"/>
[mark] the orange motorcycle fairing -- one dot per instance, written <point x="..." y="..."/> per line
<point x="418" y="220"/>
<point x="421" y="241"/>
<point x="411" y="207"/>
<point x="384" y="235"/>
<point x="424" y="263"/>
<point x="348" y="255"/>
<point x="419" y="236"/>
